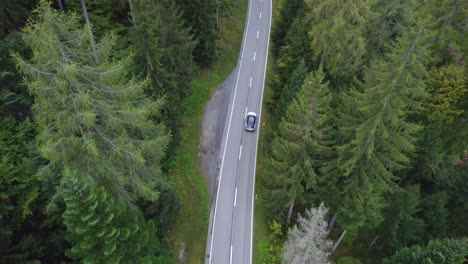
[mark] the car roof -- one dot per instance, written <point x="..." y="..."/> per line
<point x="251" y="114"/>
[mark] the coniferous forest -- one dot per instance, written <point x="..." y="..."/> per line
<point x="367" y="154"/>
<point x="368" y="115"/>
<point x="90" y="107"/>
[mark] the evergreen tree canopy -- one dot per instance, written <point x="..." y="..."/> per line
<point x="285" y="12"/>
<point x="389" y="20"/>
<point x="19" y="188"/>
<point x="92" y="118"/>
<point x="201" y="17"/>
<point x="448" y="87"/>
<point x="102" y="231"/>
<point x="308" y="243"/>
<point x="163" y="50"/>
<point x="291" y="173"/>
<point x="435" y="215"/>
<point x="401" y="226"/>
<point x="380" y="136"/>
<point x="337" y="34"/>
<point x="446" y="251"/>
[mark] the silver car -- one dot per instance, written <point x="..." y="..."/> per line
<point x="250" y="121"/>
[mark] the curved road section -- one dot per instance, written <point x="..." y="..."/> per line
<point x="230" y="233"/>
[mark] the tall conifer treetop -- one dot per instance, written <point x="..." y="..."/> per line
<point x="92" y="118"/>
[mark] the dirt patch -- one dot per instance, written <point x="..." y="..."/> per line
<point x="212" y="130"/>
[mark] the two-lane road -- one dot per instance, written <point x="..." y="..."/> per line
<point x="231" y="223"/>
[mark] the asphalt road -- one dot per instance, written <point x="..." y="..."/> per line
<point x="230" y="233"/>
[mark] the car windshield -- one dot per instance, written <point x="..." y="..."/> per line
<point x="250" y="121"/>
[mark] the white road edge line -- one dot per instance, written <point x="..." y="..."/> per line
<point x="255" y="55"/>
<point x="258" y="32"/>
<point x="227" y="136"/>
<point x="250" y="82"/>
<point x="258" y="133"/>
<point x="240" y="152"/>
<point x="235" y="197"/>
<point x="230" y="256"/>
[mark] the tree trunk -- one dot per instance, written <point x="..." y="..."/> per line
<point x="322" y="59"/>
<point x="332" y="221"/>
<point x="60" y="4"/>
<point x="373" y="241"/>
<point x="338" y="242"/>
<point x="291" y="210"/>
<point x="130" y="3"/>
<point x="88" y="24"/>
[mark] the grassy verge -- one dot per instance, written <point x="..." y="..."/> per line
<point x="190" y="229"/>
<point x="261" y="228"/>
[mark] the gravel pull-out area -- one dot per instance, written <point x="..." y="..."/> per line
<point x="212" y="129"/>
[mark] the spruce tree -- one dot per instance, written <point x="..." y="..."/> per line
<point x="308" y="243"/>
<point x="19" y="188"/>
<point x="201" y="17"/>
<point x="434" y="214"/>
<point x="287" y="90"/>
<point x="449" y="26"/>
<point x="101" y="230"/>
<point x="92" y="118"/>
<point x="379" y="135"/>
<point x="286" y="11"/>
<point x="337" y="35"/>
<point x="389" y="20"/>
<point x="446" y="251"/>
<point x="298" y="148"/>
<point x="401" y="226"/>
<point x="294" y="60"/>
<point x="163" y="49"/>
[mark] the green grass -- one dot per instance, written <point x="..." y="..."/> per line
<point x="261" y="228"/>
<point x="190" y="228"/>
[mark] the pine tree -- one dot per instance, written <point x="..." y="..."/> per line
<point x="288" y="89"/>
<point x="103" y="15"/>
<point x="298" y="148"/>
<point x="294" y="60"/>
<point x="286" y="11"/>
<point x="449" y="26"/>
<point x="201" y="17"/>
<point x="448" y="88"/>
<point x="380" y="138"/>
<point x="446" y="251"/>
<point x="401" y="226"/>
<point x="102" y="231"/>
<point x="308" y="243"/>
<point x="163" y="52"/>
<point x="92" y="118"/>
<point x="389" y="21"/>
<point x="19" y="188"/>
<point x="435" y="215"/>
<point x="145" y="42"/>
<point x="337" y="34"/>
<point x="14" y="96"/>
<point x="14" y="15"/>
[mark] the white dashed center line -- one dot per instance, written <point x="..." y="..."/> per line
<point x="250" y="82"/>
<point x="255" y="55"/>
<point x="240" y="152"/>
<point x="258" y="32"/>
<point x="235" y="197"/>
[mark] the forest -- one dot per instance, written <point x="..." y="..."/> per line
<point x="367" y="155"/>
<point x="90" y="108"/>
